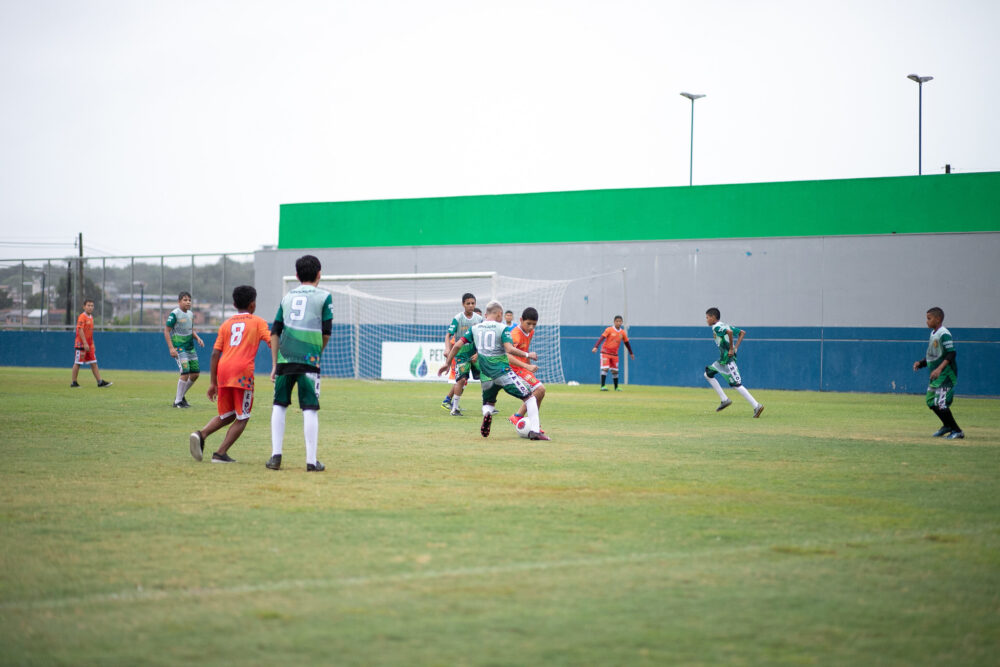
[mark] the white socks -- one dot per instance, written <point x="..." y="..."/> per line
<point x="717" y="387"/>
<point x="310" y="424"/>
<point x="532" y="414"/>
<point x="182" y="387"/>
<point x="277" y="428"/>
<point x="746" y="394"/>
<point x="454" y="403"/>
<point x="310" y="427"/>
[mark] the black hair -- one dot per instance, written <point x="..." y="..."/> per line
<point x="714" y="312"/>
<point x="467" y="296"/>
<point x="307" y="267"/>
<point x="476" y="310"/>
<point x="619" y="317"/>
<point x="529" y="314"/>
<point x="86" y="301"/>
<point x="508" y="311"/>
<point x="936" y="312"/>
<point x="243" y="296"/>
<point x="183" y="294"/>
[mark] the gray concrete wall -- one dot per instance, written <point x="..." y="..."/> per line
<point x="840" y="281"/>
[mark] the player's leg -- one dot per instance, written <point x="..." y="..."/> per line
<point x="490" y="392"/>
<point x="242" y="402"/>
<point x="461" y="379"/>
<point x="97" y="375"/>
<point x="193" y="373"/>
<point x="605" y="364"/>
<point x="77" y="358"/>
<point x="182" y="379"/>
<point x="226" y="415"/>
<point x="282" y="399"/>
<point x="309" y="386"/>
<point x="732" y="374"/>
<point x="710" y="373"/>
<point x="939" y="399"/>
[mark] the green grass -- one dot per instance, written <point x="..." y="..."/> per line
<point x="651" y="530"/>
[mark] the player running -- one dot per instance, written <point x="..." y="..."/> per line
<point x="85" y="354"/>
<point x="612" y="337"/>
<point x="521" y="335"/>
<point x="181" y="336"/>
<point x="231" y="375"/>
<point x="491" y="341"/>
<point x="726" y="365"/>
<point x="465" y="364"/>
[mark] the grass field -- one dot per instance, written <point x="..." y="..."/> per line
<point x="650" y="530"/>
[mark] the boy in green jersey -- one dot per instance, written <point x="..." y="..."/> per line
<point x="181" y="336"/>
<point x="465" y="363"/>
<point x="491" y="341"/>
<point x="726" y="364"/>
<point x="940" y="358"/>
<point x="302" y="326"/>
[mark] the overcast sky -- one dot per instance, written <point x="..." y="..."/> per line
<point x="176" y="127"/>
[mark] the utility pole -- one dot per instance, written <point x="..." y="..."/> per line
<point x="79" y="273"/>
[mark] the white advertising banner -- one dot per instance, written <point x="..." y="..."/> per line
<point x="413" y="361"/>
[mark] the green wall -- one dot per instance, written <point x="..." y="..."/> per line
<point x="904" y="205"/>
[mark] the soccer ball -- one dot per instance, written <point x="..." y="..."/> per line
<point x="522" y="427"/>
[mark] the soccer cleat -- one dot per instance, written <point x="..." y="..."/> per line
<point x="514" y="418"/>
<point x="618" y="388"/>
<point x="723" y="405"/>
<point x="104" y="383"/>
<point x="197" y="445"/>
<point x="759" y="409"/>
<point x="603" y="388"/>
<point x="222" y="458"/>
<point x="944" y="430"/>
<point x="274" y="463"/>
<point x="184" y="403"/>
<point x="177" y="404"/>
<point x="455" y="412"/>
<point x="957" y="435"/>
<point x="74" y="383"/>
<point x="315" y="467"/>
<point x="535" y="435"/>
<point x="446" y="404"/>
<point x="484" y="430"/>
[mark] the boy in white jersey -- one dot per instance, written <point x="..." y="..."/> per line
<point x="464" y="361"/>
<point x="940" y="358"/>
<point x="302" y="326"/>
<point x="181" y="336"/>
<point x="491" y="341"/>
<point x="726" y="365"/>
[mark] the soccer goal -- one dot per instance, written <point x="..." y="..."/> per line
<point x="392" y="326"/>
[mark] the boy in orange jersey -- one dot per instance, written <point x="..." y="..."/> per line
<point x="83" y="345"/>
<point x="612" y="338"/>
<point x="521" y="336"/>
<point x="231" y="379"/>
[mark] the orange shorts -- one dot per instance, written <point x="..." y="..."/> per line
<point x="527" y="376"/>
<point x="235" y="400"/>
<point x="609" y="361"/>
<point x="83" y="357"/>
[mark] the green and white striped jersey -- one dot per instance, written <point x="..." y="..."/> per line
<point x="181" y="325"/>
<point x="302" y="313"/>
<point x="939" y="345"/>
<point x="488" y="338"/>
<point x="719" y="330"/>
<point x="460" y="324"/>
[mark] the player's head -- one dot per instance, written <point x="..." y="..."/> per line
<point x="88" y="306"/>
<point x="476" y="310"/>
<point x="508" y="316"/>
<point x="619" y="321"/>
<point x="468" y="302"/>
<point x="712" y="315"/>
<point x="529" y="319"/>
<point x="494" y="311"/>
<point x="245" y="298"/>
<point x="184" y="300"/>
<point x="307" y="268"/>
<point x="935" y="317"/>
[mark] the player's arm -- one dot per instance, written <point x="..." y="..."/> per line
<point x="732" y="352"/>
<point x="82" y="337"/>
<point x="327" y="323"/>
<point x="170" y="342"/>
<point x="600" y="341"/>
<point x="275" y="342"/>
<point x="739" y="340"/>
<point x="213" y="378"/>
<point x="194" y="333"/>
<point x="514" y="352"/>
<point x="451" y="354"/>
<point x="949" y="357"/>
<point x="628" y="347"/>
<point x="516" y="361"/>
<point x="920" y="363"/>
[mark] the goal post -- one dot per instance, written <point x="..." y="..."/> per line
<point x="392" y="326"/>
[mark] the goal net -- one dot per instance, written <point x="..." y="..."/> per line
<point x="392" y="326"/>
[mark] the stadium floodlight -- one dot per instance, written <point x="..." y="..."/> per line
<point x="692" y="97"/>
<point x="920" y="81"/>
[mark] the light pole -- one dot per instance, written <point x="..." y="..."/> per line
<point x="921" y="80"/>
<point x="692" y="97"/>
<point x="142" y="298"/>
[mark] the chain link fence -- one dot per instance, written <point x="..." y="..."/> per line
<point x="130" y="293"/>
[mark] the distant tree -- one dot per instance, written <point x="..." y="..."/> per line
<point x="5" y="300"/>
